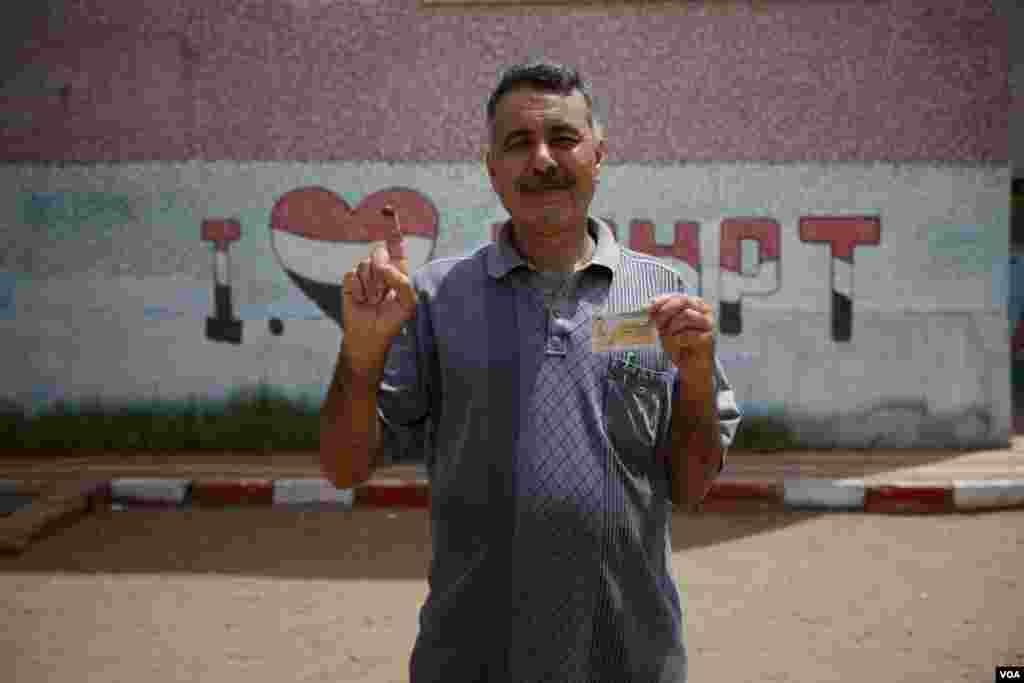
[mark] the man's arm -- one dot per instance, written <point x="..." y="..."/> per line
<point x="377" y="299"/>
<point x="694" y="449"/>
<point x="350" y="428"/>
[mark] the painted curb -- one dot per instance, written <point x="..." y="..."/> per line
<point x="161" y="492"/>
<point x="983" y="495"/>
<point x="311" y="493"/>
<point x="51" y="510"/>
<point x="13" y="497"/>
<point x="317" y="493"/>
<point x="11" y="502"/>
<point x="228" y="492"/>
<point x="913" y="498"/>
<point x="394" y="493"/>
<point x="730" y="495"/>
<point x="827" y="494"/>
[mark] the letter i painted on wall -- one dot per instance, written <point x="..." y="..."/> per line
<point x="733" y="283"/>
<point x="223" y="326"/>
<point x="844" y="233"/>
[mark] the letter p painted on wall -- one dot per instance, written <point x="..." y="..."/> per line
<point x="733" y="283"/>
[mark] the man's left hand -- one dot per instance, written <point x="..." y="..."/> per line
<point x="686" y="325"/>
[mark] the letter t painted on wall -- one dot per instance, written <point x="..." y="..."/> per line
<point x="844" y="233"/>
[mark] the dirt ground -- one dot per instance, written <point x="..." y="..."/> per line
<point x="264" y="595"/>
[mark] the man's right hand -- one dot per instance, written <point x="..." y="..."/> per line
<point x="377" y="299"/>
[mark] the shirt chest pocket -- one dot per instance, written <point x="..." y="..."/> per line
<point x="637" y="409"/>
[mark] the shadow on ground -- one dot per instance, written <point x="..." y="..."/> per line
<point x="364" y="543"/>
<point x="269" y="542"/>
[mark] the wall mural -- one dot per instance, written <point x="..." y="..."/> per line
<point x="100" y="254"/>
<point x="313" y="230"/>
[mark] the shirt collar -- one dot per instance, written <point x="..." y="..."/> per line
<point x="503" y="258"/>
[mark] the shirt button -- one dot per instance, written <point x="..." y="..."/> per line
<point x="556" y="346"/>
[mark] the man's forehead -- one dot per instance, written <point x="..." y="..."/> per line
<point x="526" y="105"/>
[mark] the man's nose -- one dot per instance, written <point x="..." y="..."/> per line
<point x="541" y="160"/>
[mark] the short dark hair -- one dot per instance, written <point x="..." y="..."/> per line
<point x="546" y="76"/>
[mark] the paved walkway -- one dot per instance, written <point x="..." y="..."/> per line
<point x="878" y="481"/>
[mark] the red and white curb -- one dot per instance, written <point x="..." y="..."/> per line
<point x="311" y="493"/>
<point x="855" y="495"/>
<point x="726" y="494"/>
<point x="155" y="492"/>
<point x="824" y="493"/>
<point x="984" y="495"/>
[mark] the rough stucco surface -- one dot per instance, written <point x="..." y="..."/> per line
<point x="778" y="110"/>
<point x="108" y="283"/>
<point x="393" y="80"/>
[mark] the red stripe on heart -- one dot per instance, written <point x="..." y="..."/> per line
<point x="319" y="214"/>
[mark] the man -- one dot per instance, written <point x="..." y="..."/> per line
<point x="553" y="469"/>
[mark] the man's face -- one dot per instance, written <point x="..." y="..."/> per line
<point x="544" y="161"/>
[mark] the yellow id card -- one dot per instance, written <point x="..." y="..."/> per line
<point x="631" y="331"/>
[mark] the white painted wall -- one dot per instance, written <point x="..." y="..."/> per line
<point x="107" y="284"/>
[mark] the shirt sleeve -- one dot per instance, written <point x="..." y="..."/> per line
<point x="728" y="411"/>
<point x="403" y="398"/>
<point x="729" y="415"/>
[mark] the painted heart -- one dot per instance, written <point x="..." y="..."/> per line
<point x="317" y="237"/>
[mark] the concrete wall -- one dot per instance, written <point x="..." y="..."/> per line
<point x="835" y="178"/>
<point x="1014" y="11"/>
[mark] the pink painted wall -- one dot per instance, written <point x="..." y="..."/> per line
<point x="317" y="80"/>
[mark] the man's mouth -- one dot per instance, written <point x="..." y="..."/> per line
<point x="544" y="188"/>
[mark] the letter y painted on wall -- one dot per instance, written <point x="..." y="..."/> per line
<point x="685" y="247"/>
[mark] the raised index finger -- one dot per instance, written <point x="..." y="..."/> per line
<point x="396" y="241"/>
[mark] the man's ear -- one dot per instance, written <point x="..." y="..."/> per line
<point x="600" y="153"/>
<point x="485" y="156"/>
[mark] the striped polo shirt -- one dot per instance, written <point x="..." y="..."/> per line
<point x="550" y="509"/>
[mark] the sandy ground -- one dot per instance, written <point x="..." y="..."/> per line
<point x="264" y="595"/>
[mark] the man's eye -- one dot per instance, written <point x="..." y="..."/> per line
<point x="561" y="141"/>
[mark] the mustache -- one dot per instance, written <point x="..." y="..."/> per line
<point x="544" y="184"/>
